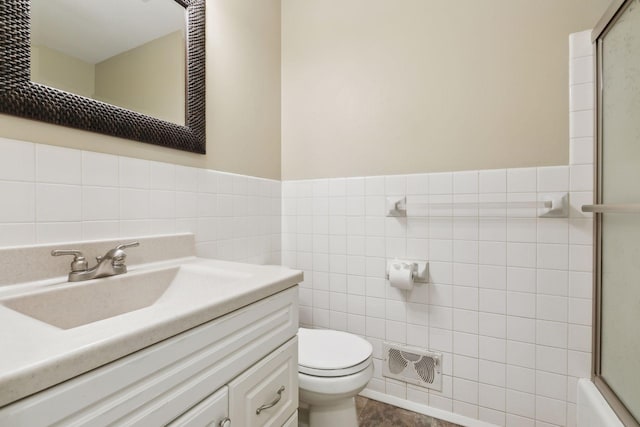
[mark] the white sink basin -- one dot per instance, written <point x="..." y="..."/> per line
<point x="68" y="306"/>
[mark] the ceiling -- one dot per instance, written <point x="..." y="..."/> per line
<point x="95" y="30"/>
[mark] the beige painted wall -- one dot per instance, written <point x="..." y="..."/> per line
<point x="243" y="99"/>
<point x="243" y="103"/>
<point x="55" y="69"/>
<point x="381" y="87"/>
<point x="149" y="79"/>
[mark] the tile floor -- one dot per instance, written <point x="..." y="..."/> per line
<point x="372" y="413"/>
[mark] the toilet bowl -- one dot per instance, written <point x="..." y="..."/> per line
<point x="333" y="367"/>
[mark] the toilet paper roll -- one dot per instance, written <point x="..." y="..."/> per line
<point x="401" y="276"/>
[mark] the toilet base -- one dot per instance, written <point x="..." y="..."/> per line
<point x="341" y="414"/>
<point x="331" y="400"/>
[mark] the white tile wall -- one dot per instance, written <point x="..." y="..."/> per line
<point x="498" y="304"/>
<point x="509" y="298"/>
<point x="53" y="194"/>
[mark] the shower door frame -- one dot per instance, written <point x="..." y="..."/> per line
<point x="608" y="20"/>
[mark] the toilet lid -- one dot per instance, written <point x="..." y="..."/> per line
<point x="331" y="353"/>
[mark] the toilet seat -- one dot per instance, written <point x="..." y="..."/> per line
<point x="325" y="353"/>
<point x="334" y="372"/>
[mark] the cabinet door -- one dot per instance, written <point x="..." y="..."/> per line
<point x="211" y="412"/>
<point x="267" y="393"/>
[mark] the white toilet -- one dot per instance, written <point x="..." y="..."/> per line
<point x="333" y="367"/>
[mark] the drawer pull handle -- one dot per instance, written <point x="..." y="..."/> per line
<point x="226" y="422"/>
<point x="273" y="403"/>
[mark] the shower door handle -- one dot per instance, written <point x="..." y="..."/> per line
<point x="627" y="208"/>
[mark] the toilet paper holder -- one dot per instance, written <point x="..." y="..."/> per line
<point x="420" y="269"/>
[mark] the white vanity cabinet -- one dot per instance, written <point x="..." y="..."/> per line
<point x="264" y="395"/>
<point x="226" y="368"/>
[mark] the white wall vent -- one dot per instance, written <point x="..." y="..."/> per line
<point x="413" y="365"/>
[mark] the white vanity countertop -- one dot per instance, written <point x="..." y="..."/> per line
<point x="35" y="355"/>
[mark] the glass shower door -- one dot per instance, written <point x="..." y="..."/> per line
<point x="617" y="346"/>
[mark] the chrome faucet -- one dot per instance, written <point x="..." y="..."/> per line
<point x="111" y="264"/>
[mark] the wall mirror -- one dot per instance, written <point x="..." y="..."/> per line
<point x="128" y="68"/>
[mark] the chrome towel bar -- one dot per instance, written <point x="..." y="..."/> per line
<point x="554" y="205"/>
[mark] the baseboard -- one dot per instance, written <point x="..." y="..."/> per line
<point x="424" y="409"/>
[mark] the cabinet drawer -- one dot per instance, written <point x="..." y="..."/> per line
<point x="210" y="412"/>
<point x="267" y="394"/>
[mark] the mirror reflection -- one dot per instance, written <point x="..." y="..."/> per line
<point x="128" y="53"/>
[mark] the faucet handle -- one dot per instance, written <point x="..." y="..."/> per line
<point x="119" y="255"/>
<point x="128" y="245"/>
<point x="79" y="262"/>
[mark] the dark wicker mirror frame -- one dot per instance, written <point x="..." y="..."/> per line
<point x="19" y="96"/>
